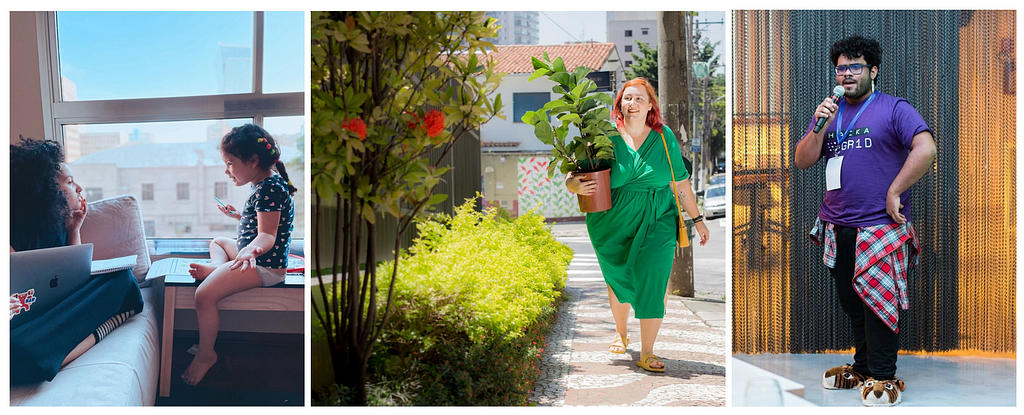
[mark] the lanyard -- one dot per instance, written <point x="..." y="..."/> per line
<point x="840" y="134"/>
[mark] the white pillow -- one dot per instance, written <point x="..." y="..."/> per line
<point x="114" y="227"/>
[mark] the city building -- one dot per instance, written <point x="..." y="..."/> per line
<point x="517" y="28"/>
<point x="625" y="28"/>
<point x="176" y="184"/>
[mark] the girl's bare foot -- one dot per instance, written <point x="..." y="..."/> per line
<point x="200" y="271"/>
<point x="197" y="369"/>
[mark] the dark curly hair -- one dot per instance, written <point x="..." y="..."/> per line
<point x="244" y="142"/>
<point x="854" y="47"/>
<point x="38" y="204"/>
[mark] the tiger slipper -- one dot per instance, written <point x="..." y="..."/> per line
<point x="842" y="377"/>
<point x="882" y="392"/>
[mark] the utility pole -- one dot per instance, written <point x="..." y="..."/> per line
<point x="674" y="57"/>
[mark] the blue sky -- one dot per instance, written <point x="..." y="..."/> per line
<point x="158" y="54"/>
<point x="592" y="25"/>
<point x="115" y="55"/>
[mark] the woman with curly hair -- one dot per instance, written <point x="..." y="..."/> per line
<point x="47" y="211"/>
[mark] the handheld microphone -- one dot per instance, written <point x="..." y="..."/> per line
<point x="837" y="93"/>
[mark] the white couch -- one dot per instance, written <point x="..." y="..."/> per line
<point x="123" y="369"/>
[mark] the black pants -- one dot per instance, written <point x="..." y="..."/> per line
<point x="39" y="346"/>
<point x="875" y="344"/>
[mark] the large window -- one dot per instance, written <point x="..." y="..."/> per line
<point x="141" y="101"/>
<point x="528" y="102"/>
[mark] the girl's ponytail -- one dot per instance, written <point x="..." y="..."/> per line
<point x="279" y="166"/>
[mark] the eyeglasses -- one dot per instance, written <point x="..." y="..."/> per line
<point x="856" y="69"/>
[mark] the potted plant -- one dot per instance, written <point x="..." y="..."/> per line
<point x="585" y="155"/>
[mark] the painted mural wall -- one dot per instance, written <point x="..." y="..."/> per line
<point x="537" y="191"/>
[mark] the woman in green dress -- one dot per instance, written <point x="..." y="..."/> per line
<point x="635" y="240"/>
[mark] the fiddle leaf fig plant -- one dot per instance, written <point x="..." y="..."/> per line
<point x="577" y="105"/>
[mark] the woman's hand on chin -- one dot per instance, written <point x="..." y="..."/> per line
<point x="78" y="215"/>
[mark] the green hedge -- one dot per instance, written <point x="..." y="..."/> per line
<point x="474" y="299"/>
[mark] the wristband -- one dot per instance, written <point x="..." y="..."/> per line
<point x="698" y="219"/>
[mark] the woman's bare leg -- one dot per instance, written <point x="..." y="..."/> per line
<point x="649" y="328"/>
<point x="82" y="347"/>
<point x="620" y="312"/>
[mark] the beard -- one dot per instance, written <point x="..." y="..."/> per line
<point x="863" y="87"/>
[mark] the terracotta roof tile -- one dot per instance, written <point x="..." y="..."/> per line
<point x="516" y="58"/>
<point x="500" y="144"/>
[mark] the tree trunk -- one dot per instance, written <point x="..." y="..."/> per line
<point x="674" y="96"/>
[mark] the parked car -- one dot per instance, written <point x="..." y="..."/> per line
<point x="717" y="180"/>
<point x="714" y="202"/>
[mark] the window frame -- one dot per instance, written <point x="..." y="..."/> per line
<point x="57" y="113"/>
<point x="533" y="97"/>
<point x="256" y="105"/>
<point x="180" y="188"/>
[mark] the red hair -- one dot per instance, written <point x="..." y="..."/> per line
<point x="653" y="116"/>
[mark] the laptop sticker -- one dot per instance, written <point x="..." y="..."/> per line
<point x="25" y="300"/>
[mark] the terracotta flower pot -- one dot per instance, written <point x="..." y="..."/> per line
<point x="601" y="200"/>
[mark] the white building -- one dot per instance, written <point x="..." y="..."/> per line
<point x="513" y="160"/>
<point x="624" y="28"/>
<point x="175" y="184"/>
<point x="517" y="28"/>
<point x="520" y="96"/>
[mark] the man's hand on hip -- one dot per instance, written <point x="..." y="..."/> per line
<point x="893" y="206"/>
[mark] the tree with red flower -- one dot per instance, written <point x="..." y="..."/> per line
<point x="434" y="121"/>
<point x="357" y="126"/>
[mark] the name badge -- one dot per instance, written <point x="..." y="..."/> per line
<point x="833" y="170"/>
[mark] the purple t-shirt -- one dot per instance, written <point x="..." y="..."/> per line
<point x="873" y="154"/>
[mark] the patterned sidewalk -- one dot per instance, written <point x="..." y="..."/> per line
<point x="578" y="370"/>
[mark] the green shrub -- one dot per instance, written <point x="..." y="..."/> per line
<point x="474" y="299"/>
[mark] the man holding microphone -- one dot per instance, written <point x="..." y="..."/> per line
<point x="875" y="146"/>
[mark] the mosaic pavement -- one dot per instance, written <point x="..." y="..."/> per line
<point x="578" y="370"/>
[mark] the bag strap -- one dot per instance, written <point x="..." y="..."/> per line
<point x="672" y="179"/>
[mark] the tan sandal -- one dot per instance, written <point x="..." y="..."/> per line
<point x="645" y="363"/>
<point x="619" y="342"/>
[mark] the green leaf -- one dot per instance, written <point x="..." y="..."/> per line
<point x="581" y="73"/>
<point x="368" y="214"/>
<point x="538" y="64"/>
<point x="605" y="98"/>
<point x="543" y="131"/>
<point x="563" y="79"/>
<point x="552" y="166"/>
<point x="573" y="118"/>
<point x="356" y="102"/>
<point x="558" y="65"/>
<point x="435" y="199"/>
<point x="538" y="73"/>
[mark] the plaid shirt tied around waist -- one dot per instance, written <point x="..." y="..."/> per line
<point x="884" y="254"/>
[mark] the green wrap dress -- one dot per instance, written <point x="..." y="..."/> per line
<point x="635" y="240"/>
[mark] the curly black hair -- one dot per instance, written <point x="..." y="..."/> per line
<point x="38" y="203"/>
<point x="856" y="46"/>
<point x="244" y="142"/>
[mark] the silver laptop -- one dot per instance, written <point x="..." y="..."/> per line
<point x="42" y="278"/>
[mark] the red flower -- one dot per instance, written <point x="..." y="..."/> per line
<point x="435" y="123"/>
<point x="357" y="126"/>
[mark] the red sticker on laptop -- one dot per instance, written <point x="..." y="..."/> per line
<point x="25" y="300"/>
